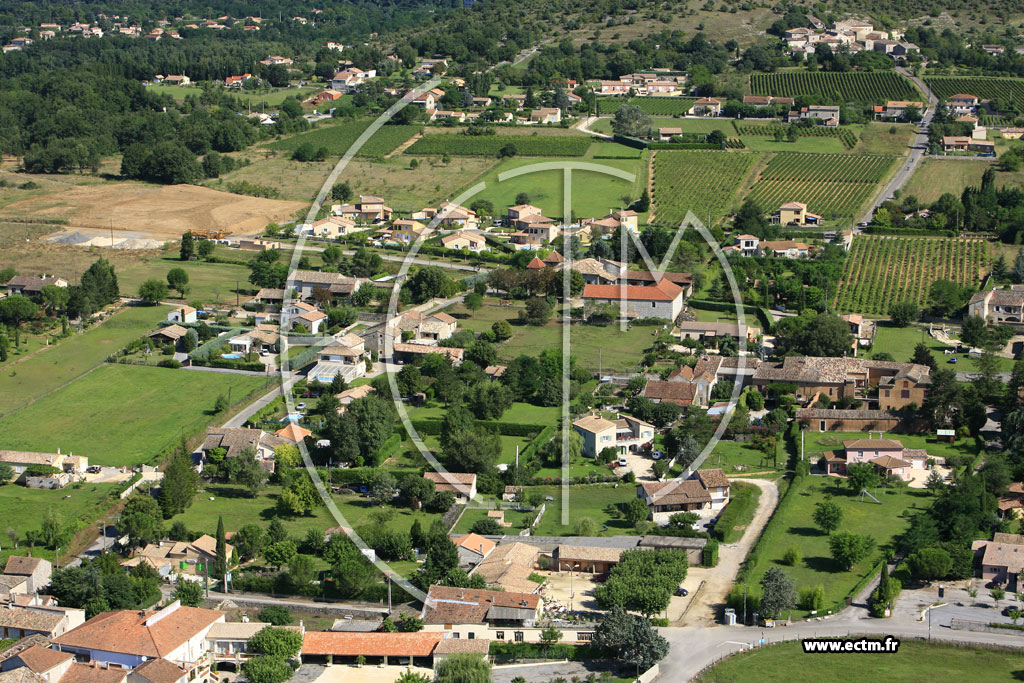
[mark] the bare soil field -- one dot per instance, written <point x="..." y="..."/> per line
<point x="158" y="212"/>
<point x="25" y="248"/>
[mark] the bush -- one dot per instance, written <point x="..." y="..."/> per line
<point x="791" y="557"/>
<point x="169" y="363"/>
<point x="812" y="599"/>
<point x="709" y="556"/>
<point x="278" y="616"/>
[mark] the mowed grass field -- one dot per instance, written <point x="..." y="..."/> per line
<point x="900" y="342"/>
<point x="916" y="661"/>
<point x="123" y="414"/>
<point x="593" y="194"/>
<point x="22" y="510"/>
<point x="792" y="526"/>
<point x="208" y="282"/>
<point x="239" y="509"/>
<point x="595" y="347"/>
<point x="337" y="138"/>
<point x="37" y="375"/>
<point x="935" y="177"/>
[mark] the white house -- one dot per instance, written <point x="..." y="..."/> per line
<point x="183" y="315"/>
<point x="626" y="434"/>
<point x="661" y="300"/>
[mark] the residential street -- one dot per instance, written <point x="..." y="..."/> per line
<point x="239" y="419"/>
<point x="917" y="150"/>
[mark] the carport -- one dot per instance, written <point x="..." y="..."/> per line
<point x="329" y="647"/>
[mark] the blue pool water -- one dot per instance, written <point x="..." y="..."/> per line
<point x="230" y="355"/>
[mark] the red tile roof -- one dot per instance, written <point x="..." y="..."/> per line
<point x="126" y="631"/>
<point x="663" y="291"/>
<point x="346" y="644"/>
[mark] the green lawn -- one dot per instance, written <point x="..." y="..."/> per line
<point x="272" y="97"/>
<point x="239" y="509"/>
<point x="593" y="194"/>
<point x="815" y="442"/>
<point x="591" y="501"/>
<point x="29" y="378"/>
<point x="714" y="316"/>
<point x="915" y="661"/>
<point x="522" y="413"/>
<point x="792" y="525"/>
<point x="208" y="282"/>
<point x="900" y="342"/>
<point x="22" y="510"/>
<point x="123" y="414"/>
<point x="595" y="347"/>
<point x="733" y="457"/>
<point x="473" y="515"/>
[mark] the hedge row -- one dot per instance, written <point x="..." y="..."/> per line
<point x="709" y="556"/>
<point x="229" y="364"/>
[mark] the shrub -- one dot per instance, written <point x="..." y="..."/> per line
<point x="791" y="557"/>
<point x="276" y="615"/>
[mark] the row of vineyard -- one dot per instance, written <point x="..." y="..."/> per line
<point x="655" y="106"/>
<point x="881" y="271"/>
<point x="702" y="182"/>
<point x="874" y="87"/>
<point x="986" y="88"/>
<point x="845" y="135"/>
<point x="832" y="185"/>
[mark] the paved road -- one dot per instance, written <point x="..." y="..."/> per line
<point x="917" y="149"/>
<point x="1004" y="377"/>
<point x="239" y="419"/>
<point x="692" y="649"/>
<point x="401" y="259"/>
<point x="228" y="371"/>
<point x="719" y="581"/>
<point x="548" y="672"/>
<point x="584" y="124"/>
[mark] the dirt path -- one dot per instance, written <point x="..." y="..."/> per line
<point x="404" y="146"/>
<point x="720" y="579"/>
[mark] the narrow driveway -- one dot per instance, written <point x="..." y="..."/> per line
<point x="239" y="419"/>
<point x="718" y="581"/>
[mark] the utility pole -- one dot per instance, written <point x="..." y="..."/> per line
<point x="744" y="603"/>
<point x="206" y="571"/>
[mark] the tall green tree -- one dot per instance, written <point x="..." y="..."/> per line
<point x="188" y="247"/>
<point x="179" y="485"/>
<point x="220" y="565"/>
<point x="778" y="593"/>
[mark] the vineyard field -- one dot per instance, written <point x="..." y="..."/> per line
<point x="338" y="138"/>
<point x="867" y="88"/>
<point x="702" y="182"/>
<point x="881" y="271"/>
<point x="845" y="135"/>
<point x="490" y="145"/>
<point x="655" y="106"/>
<point x="984" y="87"/>
<point x="832" y="185"/>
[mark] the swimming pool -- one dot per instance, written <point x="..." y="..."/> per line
<point x="231" y="355"/>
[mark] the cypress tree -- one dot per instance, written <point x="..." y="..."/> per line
<point x="220" y="567"/>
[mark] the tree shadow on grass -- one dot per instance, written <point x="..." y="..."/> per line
<point x="227" y="491"/>
<point x="822" y="564"/>
<point x="804" y="531"/>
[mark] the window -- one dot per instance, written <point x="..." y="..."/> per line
<point x="472" y="636"/>
<point x="456" y="635"/>
<point x="585" y="635"/>
<point x="519" y="636"/>
<point x="654" y="304"/>
<point x="821" y="428"/>
<point x="887" y="393"/>
<point x="499" y="635"/>
<point x="905" y="393"/>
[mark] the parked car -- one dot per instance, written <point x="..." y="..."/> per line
<point x="300" y="406"/>
<point x="93" y="469"/>
<point x="622" y="462"/>
<point x="952" y="360"/>
<point x="1009" y="608"/>
<point x="264" y="353"/>
<point x="658" y="455"/>
<point x="682" y="592"/>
